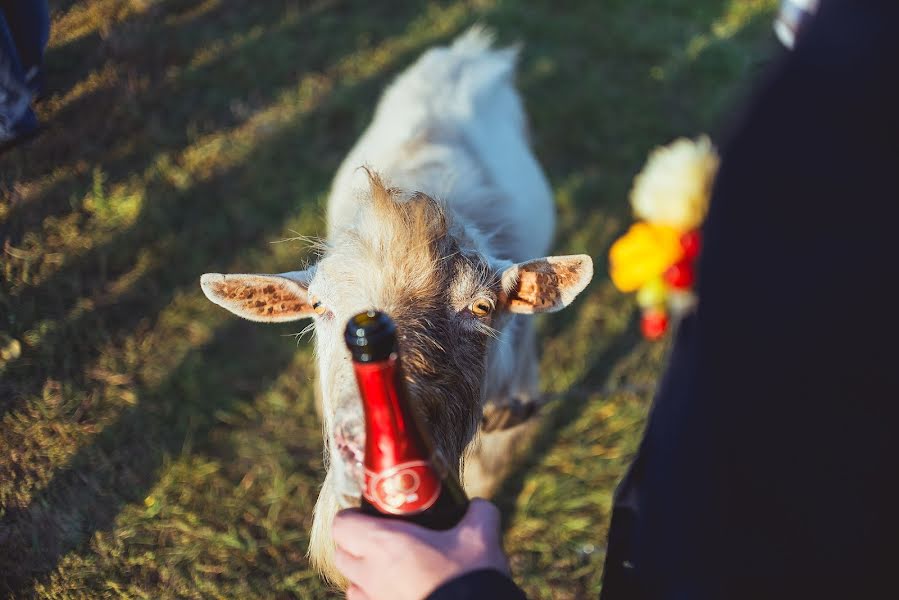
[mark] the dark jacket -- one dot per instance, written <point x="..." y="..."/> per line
<point x="769" y="464"/>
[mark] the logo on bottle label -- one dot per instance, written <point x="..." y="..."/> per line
<point x="407" y="488"/>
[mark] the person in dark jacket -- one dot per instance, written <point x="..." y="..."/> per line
<point x="24" y="32"/>
<point x="768" y="464"/>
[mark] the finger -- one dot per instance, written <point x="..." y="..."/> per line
<point x="482" y="514"/>
<point x="355" y="592"/>
<point x="351" y="567"/>
<point x="361" y="535"/>
<point x="482" y="521"/>
<point x="352" y="531"/>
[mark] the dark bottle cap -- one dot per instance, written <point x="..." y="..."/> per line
<point x="370" y="336"/>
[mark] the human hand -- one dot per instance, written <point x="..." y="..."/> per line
<point x="390" y="559"/>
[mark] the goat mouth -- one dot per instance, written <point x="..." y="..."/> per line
<point x="351" y="453"/>
<point x="352" y="456"/>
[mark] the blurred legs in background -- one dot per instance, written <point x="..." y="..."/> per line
<point x="24" y="31"/>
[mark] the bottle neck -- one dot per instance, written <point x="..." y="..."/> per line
<point x="391" y="435"/>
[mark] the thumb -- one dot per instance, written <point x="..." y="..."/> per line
<point x="480" y="533"/>
<point x="482" y="514"/>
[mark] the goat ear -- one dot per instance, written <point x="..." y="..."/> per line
<point x="264" y="298"/>
<point x="545" y="284"/>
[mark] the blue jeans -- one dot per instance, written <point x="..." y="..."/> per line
<point x="24" y="31"/>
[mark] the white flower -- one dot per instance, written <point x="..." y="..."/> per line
<point x="673" y="188"/>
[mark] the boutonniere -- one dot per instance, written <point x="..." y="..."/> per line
<point x="656" y="258"/>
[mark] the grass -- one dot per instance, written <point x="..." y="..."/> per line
<point x="153" y="446"/>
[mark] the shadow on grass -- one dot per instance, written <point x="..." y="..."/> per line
<point x="122" y="463"/>
<point x="143" y="83"/>
<point x="566" y="412"/>
<point x="159" y="103"/>
<point x="619" y="114"/>
<point x="187" y="231"/>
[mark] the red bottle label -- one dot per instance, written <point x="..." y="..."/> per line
<point x="407" y="488"/>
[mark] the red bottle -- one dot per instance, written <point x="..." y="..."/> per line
<point x="405" y="476"/>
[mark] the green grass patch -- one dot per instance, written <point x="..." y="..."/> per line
<point x="151" y="445"/>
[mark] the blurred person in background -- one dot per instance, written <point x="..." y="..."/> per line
<point x="24" y="32"/>
<point x="767" y="468"/>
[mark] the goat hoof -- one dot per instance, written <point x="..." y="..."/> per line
<point x="498" y="418"/>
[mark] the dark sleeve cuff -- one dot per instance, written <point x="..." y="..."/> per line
<point x="485" y="583"/>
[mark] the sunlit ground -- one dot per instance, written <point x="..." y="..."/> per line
<point x="153" y="446"/>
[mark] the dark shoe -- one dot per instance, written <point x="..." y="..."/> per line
<point x="509" y="415"/>
<point x="26" y="129"/>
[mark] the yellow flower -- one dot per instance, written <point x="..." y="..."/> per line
<point x="642" y="254"/>
<point x="673" y="188"/>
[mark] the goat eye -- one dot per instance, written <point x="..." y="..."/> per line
<point x="481" y="307"/>
<point x="317" y="306"/>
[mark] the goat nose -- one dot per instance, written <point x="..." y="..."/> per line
<point x="349" y="441"/>
<point x="349" y="438"/>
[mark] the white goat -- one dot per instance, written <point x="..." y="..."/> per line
<point x="443" y="230"/>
